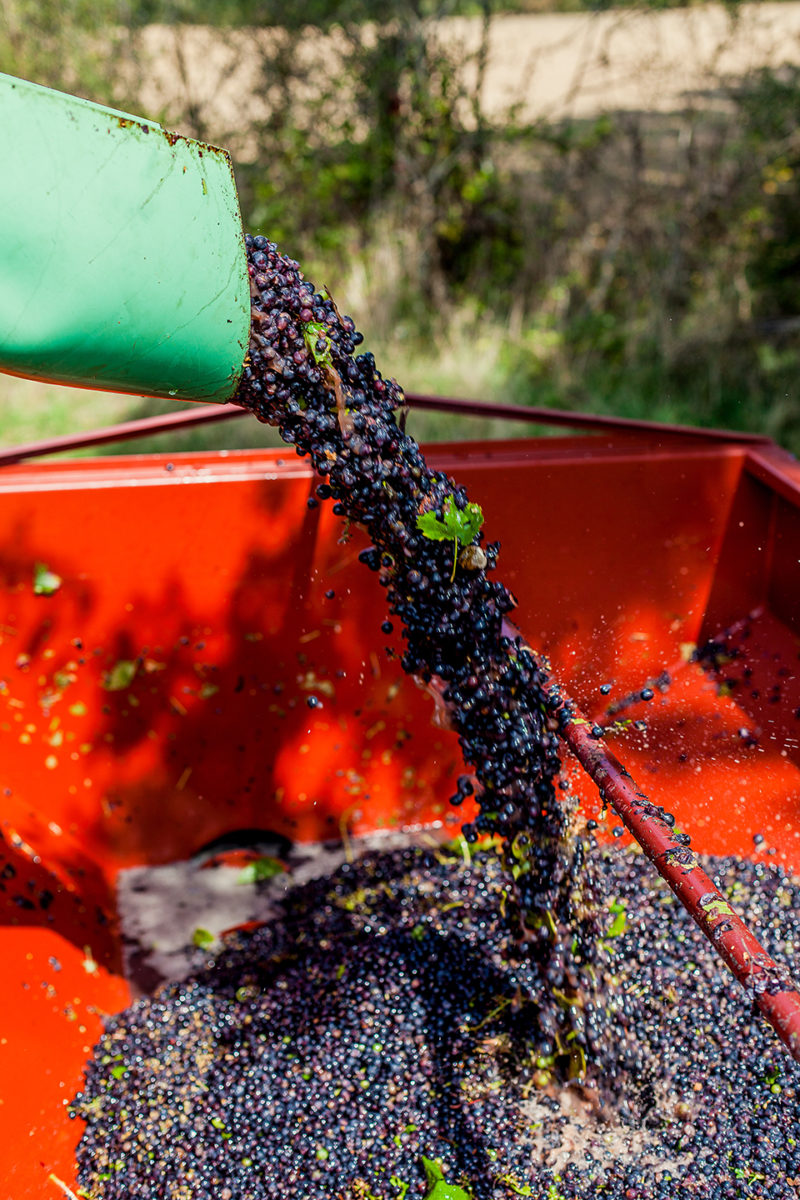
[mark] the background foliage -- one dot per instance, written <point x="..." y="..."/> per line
<point x="638" y="262"/>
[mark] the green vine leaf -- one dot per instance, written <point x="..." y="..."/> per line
<point x="314" y="332"/>
<point x="618" y="925"/>
<point x="437" y="1188"/>
<point x="453" y="524"/>
<point x="460" y="527"/>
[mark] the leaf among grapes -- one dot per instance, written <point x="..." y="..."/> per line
<point x="455" y="524"/>
<point x="433" y="527"/>
<point x="313" y="333"/>
<point x="438" y="1189"/>
<point x="620" y="921"/>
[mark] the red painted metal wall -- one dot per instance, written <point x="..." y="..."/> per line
<point x="157" y="698"/>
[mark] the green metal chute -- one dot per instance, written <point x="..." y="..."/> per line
<point x="122" y="262"/>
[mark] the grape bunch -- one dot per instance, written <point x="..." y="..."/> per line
<point x="304" y="375"/>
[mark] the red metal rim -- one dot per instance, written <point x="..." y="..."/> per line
<point x="211" y="413"/>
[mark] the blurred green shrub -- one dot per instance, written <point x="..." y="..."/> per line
<point x="640" y="262"/>
<point x="74" y="45"/>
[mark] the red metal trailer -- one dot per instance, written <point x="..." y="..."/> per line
<point x="152" y="696"/>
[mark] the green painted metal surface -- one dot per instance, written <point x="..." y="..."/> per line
<point x="122" y="261"/>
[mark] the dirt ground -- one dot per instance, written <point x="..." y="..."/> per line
<point x="551" y="65"/>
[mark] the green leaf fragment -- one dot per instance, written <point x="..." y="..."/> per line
<point x="260" y="869"/>
<point x="460" y="526"/>
<point x="522" y="1189"/>
<point x="433" y="1171"/>
<point x="119" y="1071"/>
<point x="202" y="938"/>
<point x="433" y="527"/>
<point x="438" y="1189"/>
<point x="315" y="332"/>
<point x="619" y="924"/>
<point x="45" y="581"/>
<point x="468" y="523"/>
<point x="120" y="676"/>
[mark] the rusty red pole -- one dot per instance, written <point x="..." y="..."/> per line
<point x="768" y="983"/>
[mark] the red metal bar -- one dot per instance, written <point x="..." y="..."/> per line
<point x="166" y="423"/>
<point x="207" y="413"/>
<point x="578" y="420"/>
<point x="768" y="983"/>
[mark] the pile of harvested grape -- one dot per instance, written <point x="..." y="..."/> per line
<point x="380" y="1022"/>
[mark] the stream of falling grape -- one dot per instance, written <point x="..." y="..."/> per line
<point x="305" y="375"/>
